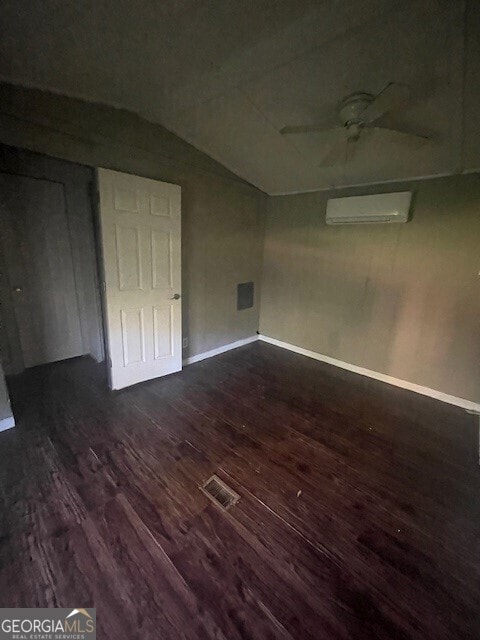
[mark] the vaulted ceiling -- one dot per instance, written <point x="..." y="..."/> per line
<point x="227" y="75"/>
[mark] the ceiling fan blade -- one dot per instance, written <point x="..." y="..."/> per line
<point x="391" y="98"/>
<point x="309" y="128"/>
<point x="351" y="148"/>
<point x="338" y="152"/>
<point x="413" y="140"/>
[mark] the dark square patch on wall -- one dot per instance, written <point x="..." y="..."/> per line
<point x="244" y="295"/>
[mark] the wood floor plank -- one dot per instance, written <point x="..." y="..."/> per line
<point x="358" y="516"/>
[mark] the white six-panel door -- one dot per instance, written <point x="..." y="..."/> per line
<point x="141" y="226"/>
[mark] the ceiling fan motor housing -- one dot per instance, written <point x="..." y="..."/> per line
<point x="351" y="109"/>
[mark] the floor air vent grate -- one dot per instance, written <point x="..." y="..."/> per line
<point x="220" y="493"/>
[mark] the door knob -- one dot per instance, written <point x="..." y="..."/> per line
<point x="17" y="289"/>
<point x="176" y="296"/>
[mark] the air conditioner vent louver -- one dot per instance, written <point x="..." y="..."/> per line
<point x="371" y="209"/>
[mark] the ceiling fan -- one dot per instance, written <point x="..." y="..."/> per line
<point x="357" y="113"/>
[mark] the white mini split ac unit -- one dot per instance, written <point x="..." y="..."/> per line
<point x="381" y="207"/>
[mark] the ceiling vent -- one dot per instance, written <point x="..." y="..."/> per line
<point x="381" y="207"/>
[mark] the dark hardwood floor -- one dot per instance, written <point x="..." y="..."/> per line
<point x="359" y="514"/>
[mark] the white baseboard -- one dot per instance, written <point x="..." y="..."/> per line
<point x="470" y="406"/>
<point x="219" y="350"/>
<point x="7" y="423"/>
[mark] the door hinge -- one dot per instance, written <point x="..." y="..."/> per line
<point x="104" y="287"/>
<point x="109" y="360"/>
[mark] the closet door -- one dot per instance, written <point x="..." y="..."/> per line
<point x="38" y="260"/>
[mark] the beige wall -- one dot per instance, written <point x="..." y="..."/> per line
<point x="222" y="216"/>
<point x="403" y="300"/>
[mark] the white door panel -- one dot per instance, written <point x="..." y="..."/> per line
<point x="141" y="224"/>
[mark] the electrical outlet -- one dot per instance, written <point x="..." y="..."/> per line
<point x="185" y="343"/>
